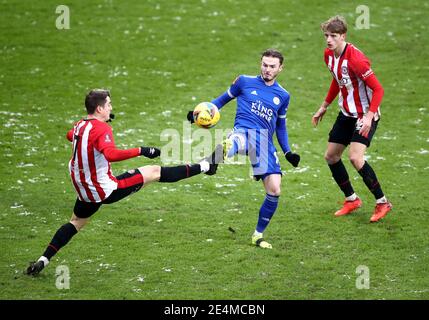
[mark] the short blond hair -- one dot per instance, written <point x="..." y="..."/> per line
<point x="336" y="24"/>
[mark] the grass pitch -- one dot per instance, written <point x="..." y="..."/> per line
<point x="172" y="241"/>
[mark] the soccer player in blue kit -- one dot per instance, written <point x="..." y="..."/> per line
<point x="262" y="104"/>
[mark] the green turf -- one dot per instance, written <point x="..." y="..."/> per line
<point x="171" y="241"/>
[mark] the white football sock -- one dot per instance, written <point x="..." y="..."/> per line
<point x="381" y="200"/>
<point x="353" y="197"/>
<point x="45" y="260"/>
<point x="205" y="166"/>
<point x="256" y="233"/>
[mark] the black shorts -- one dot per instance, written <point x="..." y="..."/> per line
<point x="344" y="131"/>
<point x="128" y="183"/>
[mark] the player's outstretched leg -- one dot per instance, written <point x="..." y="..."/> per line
<point x="233" y="144"/>
<point x="60" y="239"/>
<point x="173" y="174"/>
<point x="34" y="268"/>
<point x="228" y="148"/>
<point x="214" y="159"/>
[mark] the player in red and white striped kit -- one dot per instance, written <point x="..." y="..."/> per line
<point x="360" y="95"/>
<point x="93" y="150"/>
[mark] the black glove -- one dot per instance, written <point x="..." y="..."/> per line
<point x="293" y="158"/>
<point x="150" y="152"/>
<point x="190" y="116"/>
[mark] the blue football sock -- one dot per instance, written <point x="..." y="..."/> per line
<point x="266" y="212"/>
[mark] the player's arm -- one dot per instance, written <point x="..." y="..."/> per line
<point x="223" y="99"/>
<point x="377" y="95"/>
<point x="333" y="91"/>
<point x="114" y="155"/>
<point x="362" y="68"/>
<point x="106" y="146"/>
<point x="283" y="138"/>
<point x="233" y="91"/>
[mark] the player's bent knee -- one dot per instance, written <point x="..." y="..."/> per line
<point x="275" y="192"/>
<point x="150" y="173"/>
<point x="357" y="161"/>
<point x="78" y="223"/>
<point x="332" y="158"/>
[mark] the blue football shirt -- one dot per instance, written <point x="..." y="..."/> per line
<point x="258" y="105"/>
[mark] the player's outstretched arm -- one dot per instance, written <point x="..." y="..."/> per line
<point x="190" y="116"/>
<point x="114" y="155"/>
<point x="150" y="152"/>
<point x="219" y="102"/>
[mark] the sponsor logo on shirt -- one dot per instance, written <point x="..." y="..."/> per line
<point x="260" y="110"/>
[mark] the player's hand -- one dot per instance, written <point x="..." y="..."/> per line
<point x="317" y="117"/>
<point x="150" y="152"/>
<point x="293" y="158"/>
<point x="365" y="124"/>
<point x="190" y="116"/>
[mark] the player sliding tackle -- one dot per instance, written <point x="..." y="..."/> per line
<point x="262" y="104"/>
<point x="90" y="171"/>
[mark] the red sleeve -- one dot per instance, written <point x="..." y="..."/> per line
<point x="361" y="66"/>
<point x="106" y="145"/>
<point x="69" y="135"/>
<point x="377" y="92"/>
<point x="333" y="91"/>
<point x="104" y="137"/>
<point x="112" y="154"/>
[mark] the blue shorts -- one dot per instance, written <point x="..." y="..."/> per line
<point x="259" y="146"/>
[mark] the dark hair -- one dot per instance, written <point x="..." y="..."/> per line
<point x="336" y="24"/>
<point x="96" y="97"/>
<point x="273" y="53"/>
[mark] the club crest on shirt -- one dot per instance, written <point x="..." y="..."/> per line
<point x="276" y="101"/>
<point x="344" y="70"/>
<point x="107" y="138"/>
